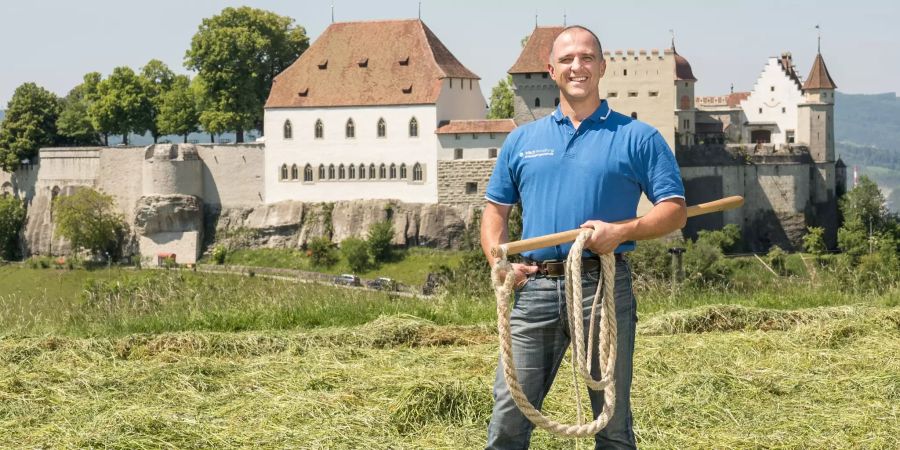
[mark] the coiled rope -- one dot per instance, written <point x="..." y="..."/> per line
<point x="581" y="355"/>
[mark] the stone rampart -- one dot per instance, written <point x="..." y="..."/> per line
<point x="464" y="182"/>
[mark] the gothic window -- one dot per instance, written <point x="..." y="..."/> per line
<point x="321" y="171"/>
<point x="284" y="172"/>
<point x="288" y="133"/>
<point x="362" y="171"/>
<point x="393" y="171"/>
<point x="417" y="172"/>
<point x="307" y="173"/>
<point x="382" y="128"/>
<point x="457" y="153"/>
<point x="492" y="153"/>
<point x="371" y="171"/>
<point x="295" y="172"/>
<point x="320" y="129"/>
<point x="413" y="127"/>
<point x="403" y="171"/>
<point x="351" y="172"/>
<point x="537" y="102"/>
<point x="331" y="171"/>
<point x="342" y="172"/>
<point x="350" y="131"/>
<point x="382" y="172"/>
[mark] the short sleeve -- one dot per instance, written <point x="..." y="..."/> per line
<point x="502" y="185"/>
<point x="658" y="170"/>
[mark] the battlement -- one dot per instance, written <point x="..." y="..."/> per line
<point x="631" y="55"/>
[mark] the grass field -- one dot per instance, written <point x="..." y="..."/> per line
<point x="176" y="359"/>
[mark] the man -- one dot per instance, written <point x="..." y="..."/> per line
<point x="586" y="166"/>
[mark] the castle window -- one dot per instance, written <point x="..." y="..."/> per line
<point x="451" y="83"/>
<point x="556" y="101"/>
<point x="321" y="171"/>
<point x="474" y="136"/>
<point x="295" y="172"/>
<point x="471" y="188"/>
<point x="457" y="153"/>
<point x="789" y="136"/>
<point x="382" y="172"/>
<point x="351" y="172"/>
<point x="612" y="94"/>
<point x="625" y="72"/>
<point x="417" y="172"/>
<point x="362" y="171"/>
<point x="470" y="84"/>
<point x="371" y="171"/>
<point x="393" y="172"/>
<point x="382" y="128"/>
<point x="342" y="172"/>
<point x="413" y="127"/>
<point x="545" y="75"/>
<point x="284" y="172"/>
<point x="492" y="153"/>
<point x="307" y="173"/>
<point x="403" y="171"/>
<point x="320" y="129"/>
<point x="654" y="93"/>
<point x="772" y="88"/>
<point x="288" y="133"/>
<point x="632" y="93"/>
<point x="783" y="110"/>
<point x="350" y="131"/>
<point x="492" y="135"/>
<point x="537" y="102"/>
<point x="760" y="110"/>
<point x="456" y="136"/>
<point x="528" y="76"/>
<point x="687" y="124"/>
<point x="331" y="171"/>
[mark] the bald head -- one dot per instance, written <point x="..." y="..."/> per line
<point x="566" y="34"/>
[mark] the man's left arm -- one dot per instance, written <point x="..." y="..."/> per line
<point x="665" y="217"/>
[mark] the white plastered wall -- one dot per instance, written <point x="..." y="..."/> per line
<point x="777" y="96"/>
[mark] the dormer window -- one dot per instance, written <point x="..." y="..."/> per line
<point x="303" y="92"/>
<point x="363" y="62"/>
<point x="407" y="90"/>
<point x="404" y="61"/>
<point x="323" y="64"/>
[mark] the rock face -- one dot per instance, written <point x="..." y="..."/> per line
<point x="168" y="213"/>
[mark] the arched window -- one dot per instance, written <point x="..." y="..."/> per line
<point x="284" y="172"/>
<point x="362" y="171"/>
<point x="307" y="173"/>
<point x="403" y="171"/>
<point x="371" y="171"/>
<point x="288" y="132"/>
<point x="321" y="171"/>
<point x="382" y="128"/>
<point x="320" y="129"/>
<point x="393" y="172"/>
<point x="331" y="171"/>
<point x="295" y="172"/>
<point x="382" y="172"/>
<point x="342" y="172"/>
<point x="413" y="127"/>
<point x="351" y="172"/>
<point x="417" y="172"/>
<point x="350" y="132"/>
<point x="537" y="102"/>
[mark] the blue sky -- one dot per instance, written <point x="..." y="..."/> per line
<point x="54" y="43"/>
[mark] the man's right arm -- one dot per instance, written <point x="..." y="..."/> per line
<point x="495" y="231"/>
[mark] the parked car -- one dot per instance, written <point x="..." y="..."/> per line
<point x="382" y="284"/>
<point x="347" y="279"/>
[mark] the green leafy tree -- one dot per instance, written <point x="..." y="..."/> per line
<point x="238" y="53"/>
<point x="727" y="239"/>
<point x="502" y="100"/>
<point x="356" y="252"/>
<point x="379" y="238"/>
<point x="74" y="124"/>
<point x="88" y="219"/>
<point x="178" y="109"/>
<point x="120" y="105"/>
<point x="12" y="217"/>
<point x="865" y="203"/>
<point x="30" y="124"/>
<point x="853" y="238"/>
<point x="814" y="241"/>
<point x="321" y="252"/>
<point x="157" y="80"/>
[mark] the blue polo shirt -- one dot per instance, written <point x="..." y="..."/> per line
<point x="564" y="177"/>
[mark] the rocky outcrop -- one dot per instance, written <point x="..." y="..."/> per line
<point x="440" y="227"/>
<point x="168" y="213"/>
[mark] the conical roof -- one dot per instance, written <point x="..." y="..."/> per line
<point x="819" y="78"/>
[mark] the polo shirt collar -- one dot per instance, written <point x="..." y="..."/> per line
<point x="599" y="115"/>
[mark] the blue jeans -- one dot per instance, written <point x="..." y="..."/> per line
<point x="540" y="335"/>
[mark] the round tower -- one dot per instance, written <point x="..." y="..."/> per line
<point x="171" y="169"/>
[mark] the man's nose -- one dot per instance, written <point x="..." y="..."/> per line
<point x="576" y="63"/>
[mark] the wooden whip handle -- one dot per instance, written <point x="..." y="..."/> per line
<point x="549" y="240"/>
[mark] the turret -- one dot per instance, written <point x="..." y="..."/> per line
<point x="816" y="113"/>
<point x="536" y="94"/>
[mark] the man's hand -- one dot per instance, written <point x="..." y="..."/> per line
<point x="607" y="236"/>
<point x="521" y="272"/>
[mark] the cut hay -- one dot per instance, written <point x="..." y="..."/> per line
<point x="711" y="318"/>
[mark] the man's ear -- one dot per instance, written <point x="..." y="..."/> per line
<point x="551" y="70"/>
<point x="602" y="66"/>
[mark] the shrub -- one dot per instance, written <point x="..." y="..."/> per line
<point x="12" y="217"/>
<point x="88" y="219"/>
<point x="322" y="252"/>
<point x="219" y="253"/>
<point x="356" y="252"/>
<point x="380" y="236"/>
<point x="704" y="264"/>
<point x="727" y="239"/>
<point x="651" y="259"/>
<point x="814" y="241"/>
<point x="777" y="260"/>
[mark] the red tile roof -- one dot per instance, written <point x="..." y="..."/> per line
<point x="392" y="62"/>
<point x="819" y="78"/>
<point x="683" y="70"/>
<point x="735" y="98"/>
<point x="476" y="126"/>
<point x="536" y="54"/>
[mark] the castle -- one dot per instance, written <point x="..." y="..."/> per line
<point x="353" y="119"/>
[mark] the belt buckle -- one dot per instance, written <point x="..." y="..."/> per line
<point x="543" y="266"/>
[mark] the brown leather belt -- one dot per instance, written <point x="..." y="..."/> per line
<point x="554" y="268"/>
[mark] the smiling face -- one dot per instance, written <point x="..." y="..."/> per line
<point x="577" y="65"/>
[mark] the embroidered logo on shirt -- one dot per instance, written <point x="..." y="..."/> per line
<point x="527" y="154"/>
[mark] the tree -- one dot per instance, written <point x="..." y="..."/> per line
<point x="865" y="203"/>
<point x="814" y="241"/>
<point x="178" y="109"/>
<point x="321" y="252"/>
<point x="157" y="80"/>
<point x="74" y="124"/>
<point x="30" y="124"/>
<point x="727" y="239"/>
<point x="380" y="236"/>
<point x="502" y="100"/>
<point x="12" y="217"/>
<point x="238" y="53"/>
<point x="89" y="221"/>
<point x="356" y="252"/>
<point x="121" y="105"/>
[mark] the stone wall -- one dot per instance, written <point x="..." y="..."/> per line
<point x="456" y="178"/>
<point x="233" y="175"/>
<point x="121" y="176"/>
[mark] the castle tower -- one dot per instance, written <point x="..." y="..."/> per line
<point x="536" y="94"/>
<point x="816" y="113"/>
<point x="685" y="110"/>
